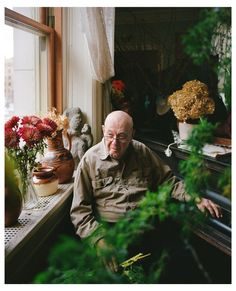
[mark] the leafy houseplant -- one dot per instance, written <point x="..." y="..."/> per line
<point x="194" y="170"/>
<point x="211" y="36"/>
<point x="76" y="262"/>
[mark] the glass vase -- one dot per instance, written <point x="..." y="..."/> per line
<point x="30" y="197"/>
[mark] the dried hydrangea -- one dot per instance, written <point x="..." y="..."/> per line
<point x="192" y="101"/>
<point x="61" y="120"/>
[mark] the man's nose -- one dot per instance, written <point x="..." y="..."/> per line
<point x="115" y="139"/>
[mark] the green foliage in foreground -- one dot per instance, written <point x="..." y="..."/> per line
<point x="224" y="183"/>
<point x="194" y="170"/>
<point x="196" y="175"/>
<point x="72" y="261"/>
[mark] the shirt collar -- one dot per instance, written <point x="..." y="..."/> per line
<point x="104" y="153"/>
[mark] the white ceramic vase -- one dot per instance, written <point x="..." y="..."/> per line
<point x="185" y="130"/>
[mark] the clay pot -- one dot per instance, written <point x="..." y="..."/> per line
<point x="13" y="205"/>
<point x="60" y="158"/>
<point x="45" y="181"/>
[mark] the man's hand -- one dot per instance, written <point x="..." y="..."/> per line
<point x="206" y="204"/>
<point x="111" y="262"/>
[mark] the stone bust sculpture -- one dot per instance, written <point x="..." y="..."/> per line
<point x="86" y="135"/>
<point x="79" y="134"/>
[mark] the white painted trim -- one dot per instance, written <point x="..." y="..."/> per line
<point x="80" y="90"/>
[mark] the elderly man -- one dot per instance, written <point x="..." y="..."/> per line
<point x="114" y="175"/>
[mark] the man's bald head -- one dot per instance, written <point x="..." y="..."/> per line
<point x="120" y="118"/>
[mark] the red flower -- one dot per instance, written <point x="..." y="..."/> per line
<point x="45" y="129"/>
<point x="12" y="122"/>
<point x="50" y="123"/>
<point x="24" y="140"/>
<point x="12" y="138"/>
<point x="118" y="85"/>
<point x="30" y="134"/>
<point x="31" y="120"/>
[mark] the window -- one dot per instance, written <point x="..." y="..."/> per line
<point x="29" y="65"/>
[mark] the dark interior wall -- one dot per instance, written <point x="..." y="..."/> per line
<point x="149" y="58"/>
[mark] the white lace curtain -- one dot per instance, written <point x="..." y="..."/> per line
<point x="97" y="23"/>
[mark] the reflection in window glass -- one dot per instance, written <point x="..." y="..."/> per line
<point x="8" y="57"/>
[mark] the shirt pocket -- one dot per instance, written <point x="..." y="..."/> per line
<point x="144" y="176"/>
<point x="102" y="183"/>
<point x="140" y="177"/>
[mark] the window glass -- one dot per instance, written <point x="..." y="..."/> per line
<point x="26" y="11"/>
<point x="8" y="58"/>
<point x="26" y="84"/>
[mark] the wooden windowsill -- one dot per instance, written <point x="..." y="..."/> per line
<point x="25" y="238"/>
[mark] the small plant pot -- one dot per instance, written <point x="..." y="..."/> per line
<point x="45" y="181"/>
<point x="185" y="130"/>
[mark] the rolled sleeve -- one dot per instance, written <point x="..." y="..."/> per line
<point x="165" y="175"/>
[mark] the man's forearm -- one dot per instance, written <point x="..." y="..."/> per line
<point x="178" y="190"/>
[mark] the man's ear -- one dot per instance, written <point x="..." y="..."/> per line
<point x="103" y="128"/>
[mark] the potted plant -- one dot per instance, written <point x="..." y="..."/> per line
<point x="119" y="99"/>
<point x="189" y="104"/>
<point x="24" y="140"/>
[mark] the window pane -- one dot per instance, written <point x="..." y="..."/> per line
<point x="25" y="73"/>
<point x="8" y="56"/>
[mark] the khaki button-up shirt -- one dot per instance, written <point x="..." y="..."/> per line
<point x="106" y="189"/>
